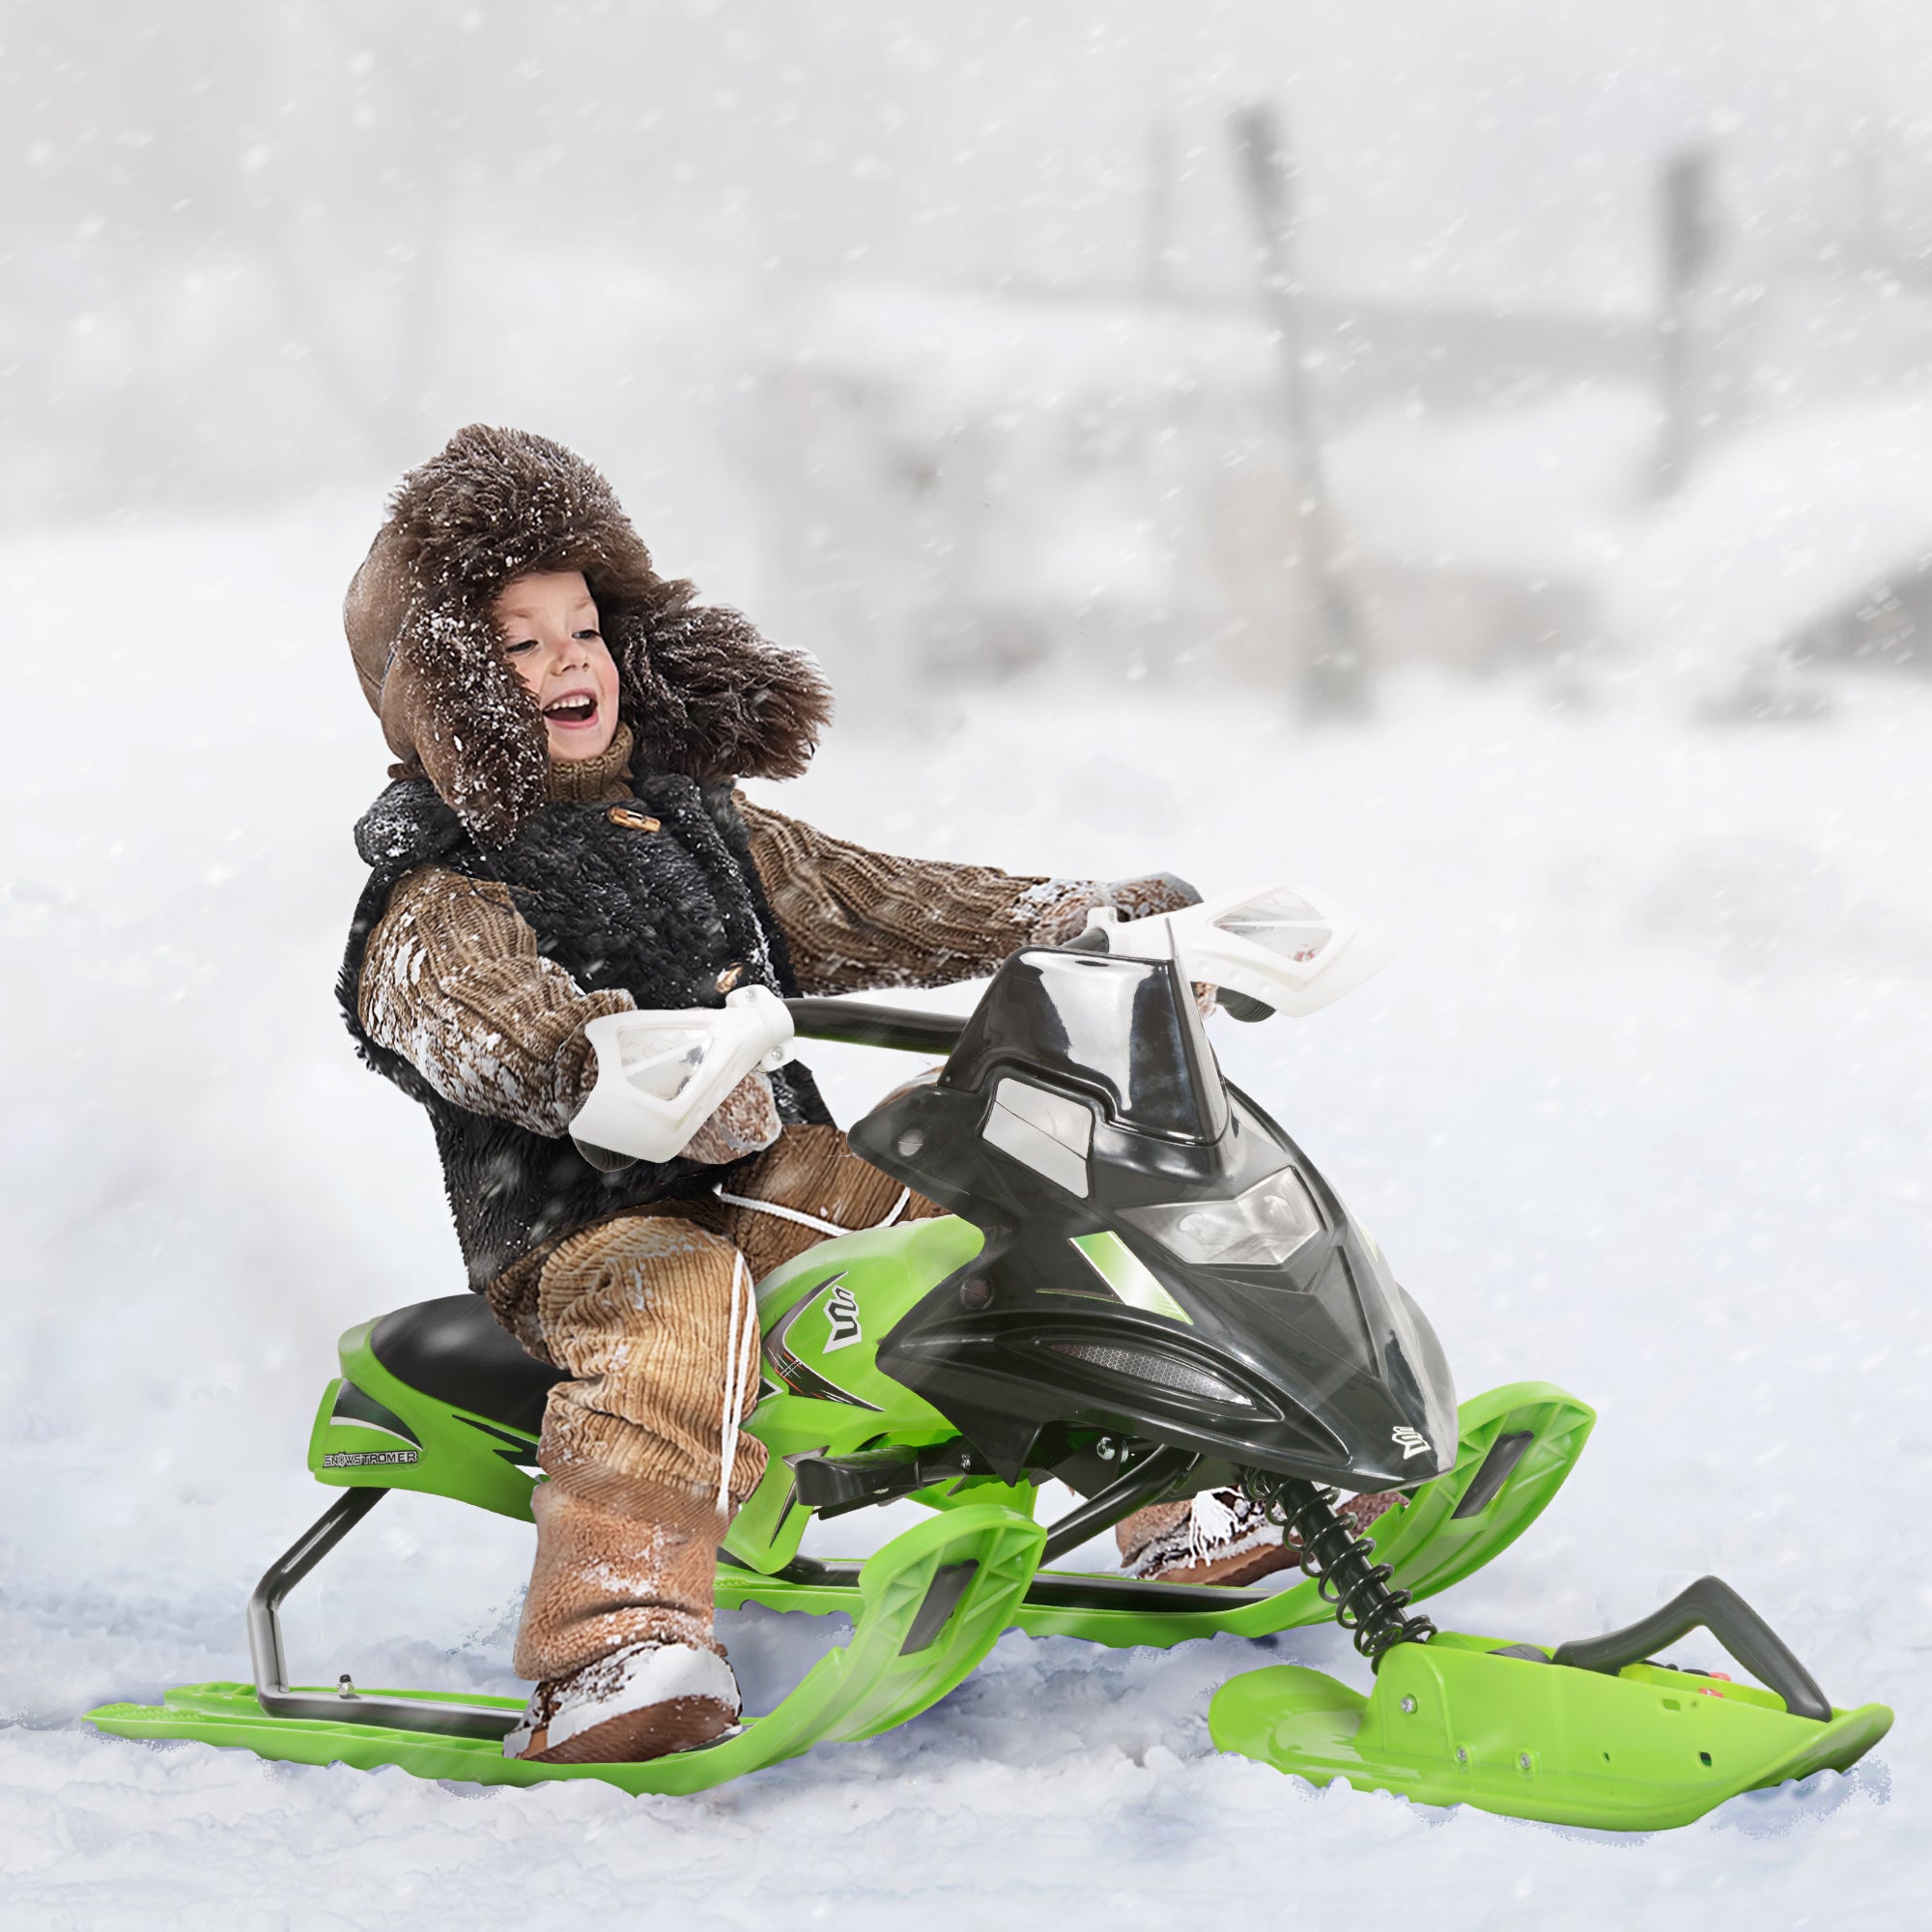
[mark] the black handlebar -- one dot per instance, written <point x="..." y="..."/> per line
<point x="1712" y="1603"/>
<point x="863" y="1024"/>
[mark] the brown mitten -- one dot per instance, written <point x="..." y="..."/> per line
<point x="1064" y="914"/>
<point x="747" y="1121"/>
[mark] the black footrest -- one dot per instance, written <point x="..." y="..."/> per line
<point x="834" y="1483"/>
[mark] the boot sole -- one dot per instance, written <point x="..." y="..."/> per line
<point x="677" y="1724"/>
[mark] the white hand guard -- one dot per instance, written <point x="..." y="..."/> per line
<point x="1292" y="950"/>
<point x="660" y="1075"/>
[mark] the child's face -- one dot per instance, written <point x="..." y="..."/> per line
<point x="549" y="626"/>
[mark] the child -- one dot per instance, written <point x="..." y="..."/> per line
<point x="562" y="840"/>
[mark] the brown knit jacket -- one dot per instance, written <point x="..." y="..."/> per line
<point x="452" y="979"/>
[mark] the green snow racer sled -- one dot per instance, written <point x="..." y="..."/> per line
<point x="1143" y="1289"/>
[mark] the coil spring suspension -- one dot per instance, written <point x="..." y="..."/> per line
<point x="1341" y="1560"/>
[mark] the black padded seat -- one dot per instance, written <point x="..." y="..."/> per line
<point x="455" y="1349"/>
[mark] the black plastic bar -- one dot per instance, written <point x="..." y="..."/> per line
<point x="1498" y="1467"/>
<point x="833" y="1485"/>
<point x="1148" y="1480"/>
<point x="1055" y="1591"/>
<point x="1712" y="1605"/>
<point x="861" y="1023"/>
<point x="942" y="1598"/>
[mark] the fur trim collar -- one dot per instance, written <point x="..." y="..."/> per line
<point x="704" y="694"/>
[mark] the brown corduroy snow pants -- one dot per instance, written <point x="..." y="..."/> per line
<point x="652" y="1315"/>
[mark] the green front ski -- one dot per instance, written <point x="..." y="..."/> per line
<point x="929" y="1607"/>
<point x="1450" y="1723"/>
<point x="1516" y="1444"/>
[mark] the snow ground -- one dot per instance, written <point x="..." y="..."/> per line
<point x="1642" y="1108"/>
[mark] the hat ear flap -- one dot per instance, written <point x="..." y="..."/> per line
<point x="471" y="719"/>
<point x="652" y="708"/>
<point x="705" y="695"/>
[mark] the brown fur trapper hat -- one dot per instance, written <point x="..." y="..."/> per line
<point x="701" y="691"/>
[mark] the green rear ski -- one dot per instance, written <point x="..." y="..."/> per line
<point x="931" y="1604"/>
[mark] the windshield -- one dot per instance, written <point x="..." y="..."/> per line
<point x="1125" y="1029"/>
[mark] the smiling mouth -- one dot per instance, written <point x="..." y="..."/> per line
<point x="575" y="709"/>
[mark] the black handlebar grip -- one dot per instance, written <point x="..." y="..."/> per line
<point x="1712" y="1603"/>
<point x="1242" y="1006"/>
<point x="1093" y="940"/>
<point x="861" y="1023"/>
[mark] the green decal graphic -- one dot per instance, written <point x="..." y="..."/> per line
<point x="1129" y="1277"/>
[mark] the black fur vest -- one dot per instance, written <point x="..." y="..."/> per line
<point x="661" y="900"/>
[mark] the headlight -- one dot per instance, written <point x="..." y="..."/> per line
<point x="1259" y="1229"/>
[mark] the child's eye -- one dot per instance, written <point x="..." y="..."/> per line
<point x="581" y="635"/>
<point x="522" y="645"/>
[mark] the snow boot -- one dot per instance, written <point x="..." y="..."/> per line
<point x="643" y="1702"/>
<point x="1222" y="1537"/>
<point x="616" y="1628"/>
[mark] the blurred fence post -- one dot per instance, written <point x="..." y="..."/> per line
<point x="1157" y="213"/>
<point x="1686" y="244"/>
<point x="1333" y="674"/>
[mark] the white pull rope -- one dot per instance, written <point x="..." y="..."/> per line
<point x="737" y="1370"/>
<point x="737" y="1374"/>
<point x="805" y="1220"/>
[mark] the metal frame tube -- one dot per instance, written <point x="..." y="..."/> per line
<point x="438" y="1716"/>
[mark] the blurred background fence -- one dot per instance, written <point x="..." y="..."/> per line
<point x="1280" y="343"/>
